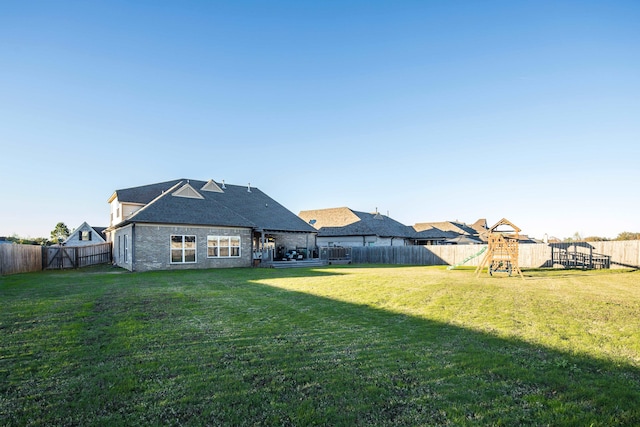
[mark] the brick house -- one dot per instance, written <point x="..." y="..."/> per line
<point x="456" y="233"/>
<point x="191" y="224"/>
<point x="346" y="227"/>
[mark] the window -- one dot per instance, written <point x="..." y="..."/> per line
<point x="183" y="249"/>
<point x="126" y="249"/>
<point x="223" y="246"/>
<point x="85" y="236"/>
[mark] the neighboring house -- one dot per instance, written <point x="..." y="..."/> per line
<point x="481" y="226"/>
<point x="346" y="227"/>
<point x="456" y="233"/>
<point x="463" y="240"/>
<point x="86" y="235"/>
<point x="455" y="226"/>
<point x="200" y="224"/>
<point x="434" y="236"/>
<point x="526" y="239"/>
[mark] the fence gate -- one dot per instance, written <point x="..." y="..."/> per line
<point x="59" y="257"/>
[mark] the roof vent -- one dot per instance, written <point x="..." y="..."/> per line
<point x="223" y="186"/>
<point x="187" y="191"/>
<point x="249" y="188"/>
<point x="211" y="186"/>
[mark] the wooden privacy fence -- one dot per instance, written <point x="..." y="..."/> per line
<point x="614" y="254"/>
<point x="411" y="255"/>
<point x="58" y="257"/>
<point x="20" y="258"/>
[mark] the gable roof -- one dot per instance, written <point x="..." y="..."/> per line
<point x="454" y="226"/>
<point x="197" y="204"/>
<point x="347" y="222"/>
<point x="212" y="186"/>
<point x="464" y="239"/>
<point x="100" y="231"/>
<point x="144" y="194"/>
<point x="480" y="225"/>
<point x="435" y="234"/>
<point x="330" y="217"/>
<point x="86" y="227"/>
<point x="186" y="190"/>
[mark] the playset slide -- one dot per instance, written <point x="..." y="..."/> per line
<point x="469" y="258"/>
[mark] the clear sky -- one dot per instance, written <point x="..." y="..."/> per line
<point x="425" y="110"/>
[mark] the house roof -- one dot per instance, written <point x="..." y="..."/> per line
<point x="100" y="231"/>
<point x="194" y="202"/>
<point x="143" y="194"/>
<point x="347" y="222"/>
<point x="464" y="239"/>
<point x="454" y="226"/>
<point x="435" y="234"/>
<point x="86" y="226"/>
<point x="480" y="225"/>
<point x="330" y="217"/>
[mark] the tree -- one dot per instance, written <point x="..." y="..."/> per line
<point x="627" y="235"/>
<point x="575" y="238"/>
<point x="42" y="241"/>
<point x="596" y="239"/>
<point x="61" y="232"/>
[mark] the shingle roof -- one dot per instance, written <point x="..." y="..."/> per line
<point x="435" y="233"/>
<point x="100" y="230"/>
<point x="145" y="193"/>
<point x="446" y="226"/>
<point x="347" y="222"/>
<point x="463" y="239"/>
<point x="234" y="207"/>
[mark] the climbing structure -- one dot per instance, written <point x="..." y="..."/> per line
<point x="502" y="250"/>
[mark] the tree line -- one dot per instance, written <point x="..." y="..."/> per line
<point x="625" y="235"/>
<point x="58" y="235"/>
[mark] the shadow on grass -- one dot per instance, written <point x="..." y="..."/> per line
<point x="216" y="348"/>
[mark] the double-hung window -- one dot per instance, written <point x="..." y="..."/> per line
<point x="183" y="249"/>
<point x="223" y="246"/>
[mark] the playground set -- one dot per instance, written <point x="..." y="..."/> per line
<point x="502" y="250"/>
<point x="501" y="253"/>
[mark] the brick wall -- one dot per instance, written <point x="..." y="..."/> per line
<point x="152" y="247"/>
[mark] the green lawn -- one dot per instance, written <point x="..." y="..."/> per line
<point x="335" y="346"/>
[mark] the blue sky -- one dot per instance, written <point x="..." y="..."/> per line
<point x="425" y="110"/>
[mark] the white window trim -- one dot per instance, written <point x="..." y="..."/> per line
<point x="217" y="237"/>
<point x="183" y="249"/>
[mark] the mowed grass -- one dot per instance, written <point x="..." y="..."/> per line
<point x="335" y="346"/>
